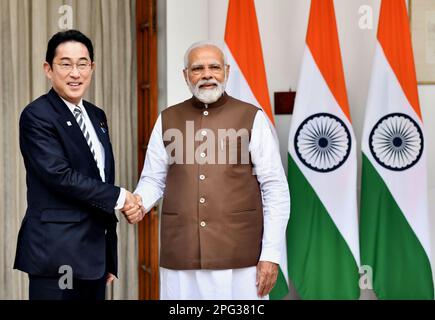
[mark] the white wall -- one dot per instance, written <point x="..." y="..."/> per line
<point x="186" y="22"/>
<point x="282" y="25"/>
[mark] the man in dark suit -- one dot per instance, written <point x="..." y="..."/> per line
<point x="67" y="242"/>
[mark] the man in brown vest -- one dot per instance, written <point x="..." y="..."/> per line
<point x="226" y="204"/>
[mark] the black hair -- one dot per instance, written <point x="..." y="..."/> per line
<point x="66" y="36"/>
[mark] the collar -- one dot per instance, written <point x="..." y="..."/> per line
<point x="72" y="106"/>
<point x="201" y="105"/>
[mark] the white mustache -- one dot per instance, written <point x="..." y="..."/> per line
<point x="206" y="82"/>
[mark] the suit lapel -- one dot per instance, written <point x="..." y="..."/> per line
<point x="67" y="120"/>
<point x="100" y="127"/>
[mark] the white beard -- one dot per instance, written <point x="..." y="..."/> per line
<point x="207" y="95"/>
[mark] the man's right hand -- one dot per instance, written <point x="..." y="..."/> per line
<point x="133" y="209"/>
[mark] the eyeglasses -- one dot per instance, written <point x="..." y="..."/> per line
<point x="199" y="69"/>
<point x="81" y="66"/>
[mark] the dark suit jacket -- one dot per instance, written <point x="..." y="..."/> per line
<point x="70" y="217"/>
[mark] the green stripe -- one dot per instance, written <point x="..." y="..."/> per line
<point x="280" y="290"/>
<point x="320" y="262"/>
<point x="401" y="268"/>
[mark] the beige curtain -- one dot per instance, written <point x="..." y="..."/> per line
<point x="25" y="28"/>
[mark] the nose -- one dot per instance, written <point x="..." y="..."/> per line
<point x="75" y="73"/>
<point x="207" y="74"/>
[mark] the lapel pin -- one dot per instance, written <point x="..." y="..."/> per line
<point x="102" y="127"/>
<point x="69" y="123"/>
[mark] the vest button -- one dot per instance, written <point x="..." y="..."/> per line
<point x="202" y="200"/>
<point x="205" y="113"/>
<point x="202" y="224"/>
<point x="202" y="155"/>
<point x="202" y="177"/>
<point x="204" y="133"/>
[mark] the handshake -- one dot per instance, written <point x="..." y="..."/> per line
<point x="133" y="209"/>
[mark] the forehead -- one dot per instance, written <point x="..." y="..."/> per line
<point x="72" y="49"/>
<point x="206" y="54"/>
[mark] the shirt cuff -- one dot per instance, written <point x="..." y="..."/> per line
<point x="121" y="199"/>
<point x="270" y="255"/>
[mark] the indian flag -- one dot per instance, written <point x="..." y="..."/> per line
<point x="395" y="239"/>
<point x="322" y="234"/>
<point x="248" y="82"/>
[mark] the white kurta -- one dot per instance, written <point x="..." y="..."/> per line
<point x="233" y="283"/>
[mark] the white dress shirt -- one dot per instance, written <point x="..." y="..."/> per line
<point x="220" y="284"/>
<point x="98" y="147"/>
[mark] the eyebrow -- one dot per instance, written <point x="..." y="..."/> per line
<point x="209" y="64"/>
<point x="69" y="59"/>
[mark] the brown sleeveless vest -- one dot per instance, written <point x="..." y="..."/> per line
<point x="212" y="215"/>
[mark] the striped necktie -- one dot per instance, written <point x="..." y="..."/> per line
<point x="81" y="122"/>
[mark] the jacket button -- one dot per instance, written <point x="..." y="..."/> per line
<point x="203" y="224"/>
<point x="202" y="177"/>
<point x="202" y="200"/>
<point x="202" y="154"/>
<point x="204" y="133"/>
<point x="205" y="113"/>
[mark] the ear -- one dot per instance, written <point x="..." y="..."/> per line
<point x="185" y="74"/>
<point x="227" y="70"/>
<point x="93" y="66"/>
<point x="47" y="69"/>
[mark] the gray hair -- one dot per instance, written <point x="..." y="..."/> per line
<point x="201" y="44"/>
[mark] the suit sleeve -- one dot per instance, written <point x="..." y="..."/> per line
<point x="44" y="156"/>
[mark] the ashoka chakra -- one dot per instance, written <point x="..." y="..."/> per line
<point x="323" y="142"/>
<point x="396" y="142"/>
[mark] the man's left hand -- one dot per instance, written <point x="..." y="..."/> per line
<point x="267" y="273"/>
